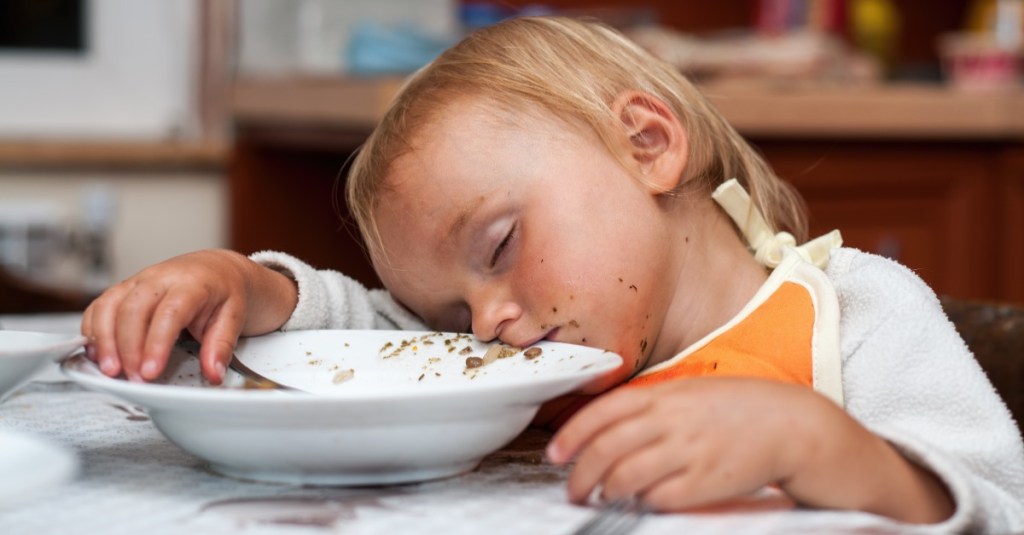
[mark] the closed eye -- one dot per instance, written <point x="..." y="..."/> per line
<point x="500" y="249"/>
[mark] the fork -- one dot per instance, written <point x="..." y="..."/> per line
<point x="616" y="517"/>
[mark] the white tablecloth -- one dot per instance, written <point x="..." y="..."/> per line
<point x="134" y="481"/>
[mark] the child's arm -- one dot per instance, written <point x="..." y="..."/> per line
<point x="909" y="379"/>
<point x="692" y="443"/>
<point x="217" y="295"/>
<point x="331" y="300"/>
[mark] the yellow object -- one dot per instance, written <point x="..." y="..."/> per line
<point x="982" y="15"/>
<point x="875" y="28"/>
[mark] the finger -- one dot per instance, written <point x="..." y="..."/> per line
<point x="641" y="469"/>
<point x="90" y="343"/>
<point x="133" y="317"/>
<point x="174" y="312"/>
<point x="103" y="320"/>
<point x="616" y="444"/>
<point x="590" y="420"/>
<point x="698" y="486"/>
<point x="219" y="339"/>
<point x="680" y="492"/>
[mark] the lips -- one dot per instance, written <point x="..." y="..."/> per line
<point x="549" y="336"/>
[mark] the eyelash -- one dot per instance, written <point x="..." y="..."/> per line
<point x="503" y="246"/>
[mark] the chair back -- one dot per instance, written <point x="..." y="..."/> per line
<point x="995" y="334"/>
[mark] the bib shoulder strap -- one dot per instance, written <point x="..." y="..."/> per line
<point x="766" y="245"/>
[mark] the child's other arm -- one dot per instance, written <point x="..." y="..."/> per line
<point x="217" y="295"/>
<point x="697" y="442"/>
<point x="328" y="299"/>
<point x="909" y="378"/>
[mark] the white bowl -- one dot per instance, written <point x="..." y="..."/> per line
<point x="408" y="412"/>
<point x="23" y="353"/>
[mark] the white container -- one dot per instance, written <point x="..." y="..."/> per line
<point x="309" y="36"/>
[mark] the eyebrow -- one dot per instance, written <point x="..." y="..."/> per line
<point x="461" y="220"/>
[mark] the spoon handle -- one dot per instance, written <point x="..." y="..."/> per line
<point x="254" y="380"/>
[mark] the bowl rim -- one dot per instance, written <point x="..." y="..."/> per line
<point x="62" y="342"/>
<point x="86" y="372"/>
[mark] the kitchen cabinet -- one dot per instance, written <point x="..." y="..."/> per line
<point x="927" y="205"/>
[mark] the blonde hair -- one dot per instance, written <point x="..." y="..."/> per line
<point x="574" y="69"/>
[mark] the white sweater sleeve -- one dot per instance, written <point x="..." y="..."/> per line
<point x="331" y="300"/>
<point x="909" y="377"/>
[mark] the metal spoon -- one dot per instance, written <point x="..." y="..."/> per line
<point x="256" y="381"/>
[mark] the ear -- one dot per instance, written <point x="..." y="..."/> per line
<point x="655" y="139"/>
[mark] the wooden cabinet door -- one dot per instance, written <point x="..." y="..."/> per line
<point x="283" y="198"/>
<point x="1011" y="225"/>
<point x="927" y="206"/>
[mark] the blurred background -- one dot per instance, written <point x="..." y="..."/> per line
<point x="132" y="131"/>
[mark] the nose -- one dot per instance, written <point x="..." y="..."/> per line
<point x="493" y="311"/>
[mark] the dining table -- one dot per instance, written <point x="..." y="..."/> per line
<point x="130" y="479"/>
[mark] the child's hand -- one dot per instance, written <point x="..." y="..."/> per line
<point x="216" y="295"/>
<point x="694" y="442"/>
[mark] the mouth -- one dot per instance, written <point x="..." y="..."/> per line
<point x="548" y="336"/>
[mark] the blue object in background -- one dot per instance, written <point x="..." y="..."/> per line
<point x="475" y="15"/>
<point x="375" y="49"/>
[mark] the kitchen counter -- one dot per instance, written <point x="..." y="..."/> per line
<point x="916" y="111"/>
<point x="91" y="154"/>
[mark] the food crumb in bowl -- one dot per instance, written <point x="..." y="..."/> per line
<point x="495" y="352"/>
<point x="500" y="351"/>
<point x="532" y="353"/>
<point x="343" y="375"/>
<point x="253" y="384"/>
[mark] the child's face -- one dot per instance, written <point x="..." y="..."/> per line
<point x="525" y="232"/>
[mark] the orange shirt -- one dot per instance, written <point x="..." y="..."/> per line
<point x="789" y="331"/>
<point x="755" y="347"/>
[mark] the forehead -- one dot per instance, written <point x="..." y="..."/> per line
<point x="463" y="155"/>
<point x="469" y="149"/>
<point x="453" y="165"/>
